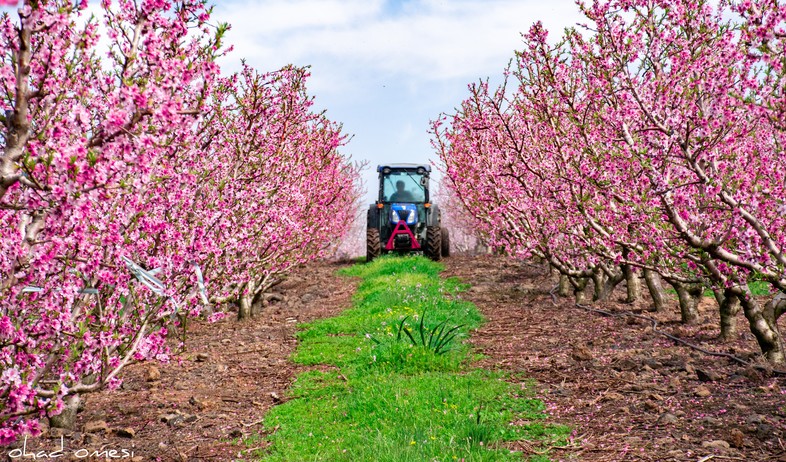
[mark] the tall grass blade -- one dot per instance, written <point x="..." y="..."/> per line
<point x="409" y="334"/>
<point x="449" y="335"/>
<point x="432" y="338"/>
<point x="401" y="326"/>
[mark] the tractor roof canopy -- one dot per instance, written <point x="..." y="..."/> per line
<point x="392" y="167"/>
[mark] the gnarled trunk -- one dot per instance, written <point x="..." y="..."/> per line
<point x="689" y="296"/>
<point x="719" y="296"/>
<point x="246" y="299"/>
<point x="564" y="286"/>
<point x="631" y="279"/>
<point x="655" y="288"/>
<point x="764" y="325"/>
<point x="605" y="284"/>
<point x="729" y="308"/>
<point x="67" y="418"/>
<point x="579" y="285"/>
<point x="599" y="283"/>
<point x="252" y="293"/>
<point x="633" y="283"/>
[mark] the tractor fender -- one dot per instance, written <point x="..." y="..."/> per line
<point x="433" y="216"/>
<point x="373" y="216"/>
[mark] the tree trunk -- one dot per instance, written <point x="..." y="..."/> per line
<point x="604" y="284"/>
<point x="579" y="285"/>
<point x="689" y="296"/>
<point x="633" y="283"/>
<point x="564" y="286"/>
<point x="777" y="305"/>
<point x="729" y="307"/>
<point x="599" y="285"/>
<point x="656" y="289"/>
<point x="246" y="297"/>
<point x="67" y="418"/>
<point x="245" y="311"/>
<point x="763" y="323"/>
<point x="719" y="296"/>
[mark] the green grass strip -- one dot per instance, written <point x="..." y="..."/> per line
<point x="402" y="387"/>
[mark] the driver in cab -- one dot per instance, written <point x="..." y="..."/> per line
<point x="401" y="194"/>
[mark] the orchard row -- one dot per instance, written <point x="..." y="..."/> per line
<point x="139" y="186"/>
<point x="649" y="141"/>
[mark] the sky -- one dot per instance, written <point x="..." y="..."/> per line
<point x="385" y="68"/>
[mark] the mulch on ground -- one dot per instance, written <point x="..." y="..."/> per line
<point x="629" y="393"/>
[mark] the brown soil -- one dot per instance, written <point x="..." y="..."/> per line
<point x="215" y="391"/>
<point x="629" y="393"/>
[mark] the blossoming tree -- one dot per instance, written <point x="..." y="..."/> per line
<point x="136" y="185"/>
<point x="639" y="142"/>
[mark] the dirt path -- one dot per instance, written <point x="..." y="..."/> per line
<point x="629" y="393"/>
<point x="196" y="409"/>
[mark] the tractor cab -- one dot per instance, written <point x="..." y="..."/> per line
<point x="404" y="186"/>
<point x="403" y="219"/>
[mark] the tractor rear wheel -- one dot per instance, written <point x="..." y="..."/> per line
<point x="373" y="244"/>
<point x="445" y="242"/>
<point x="433" y="248"/>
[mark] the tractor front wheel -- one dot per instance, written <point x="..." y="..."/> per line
<point x="373" y="244"/>
<point x="433" y="247"/>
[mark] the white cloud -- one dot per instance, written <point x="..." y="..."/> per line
<point x="426" y="39"/>
<point x="277" y="16"/>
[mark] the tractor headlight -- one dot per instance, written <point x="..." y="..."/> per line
<point x="408" y="213"/>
